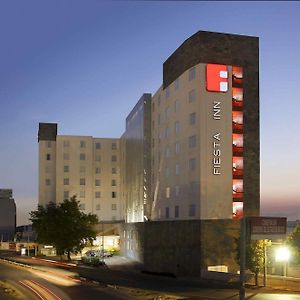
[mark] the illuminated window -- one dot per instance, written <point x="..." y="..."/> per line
<point x="192" y="73"/>
<point x="237" y="210"/>
<point x="167" y="192"/>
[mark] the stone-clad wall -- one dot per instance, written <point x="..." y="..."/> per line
<point x="181" y="247"/>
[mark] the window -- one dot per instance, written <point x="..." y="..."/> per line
<point x="168" y="92"/>
<point x="192" y="210"/>
<point x="192" y="118"/>
<point x="158" y="100"/>
<point x="82" y="144"/>
<point x="82" y="181"/>
<point x="82" y="194"/>
<point x="82" y="156"/>
<point x="167" y="213"/>
<point x="48" y="182"/>
<point x="114" y="206"/>
<point x="66" y="181"/>
<point x="97" y="182"/>
<point x="113" y="146"/>
<point x="98" y="206"/>
<point x="167" y="112"/>
<point x="167" y="172"/>
<point x="66" y="168"/>
<point x="153" y="107"/>
<point x="177" y="127"/>
<point x="176" y="211"/>
<point x="48" y="169"/>
<point x="176" y="84"/>
<point x="192" y="164"/>
<point x="82" y="169"/>
<point x="66" y="194"/>
<point x="113" y="182"/>
<point x="177" y="189"/>
<point x="82" y="206"/>
<point x="114" y="194"/>
<point x="97" y="146"/>
<point x="192" y="73"/>
<point x="97" y="194"/>
<point x="167" y="152"/>
<point x="167" y="132"/>
<point x="167" y="192"/>
<point x="192" y="141"/>
<point x="192" y="96"/>
<point x="98" y="157"/>
<point x="97" y="170"/>
<point x="114" y="158"/>
<point x="177" y="147"/>
<point x="66" y="143"/>
<point x="48" y="156"/>
<point x="158" y="119"/>
<point x="66" y="156"/>
<point x="114" y="170"/>
<point x="48" y="144"/>
<point x="177" y="169"/>
<point x="176" y="105"/>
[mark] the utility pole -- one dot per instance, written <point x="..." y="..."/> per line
<point x="242" y="257"/>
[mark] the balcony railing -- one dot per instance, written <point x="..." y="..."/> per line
<point x="237" y="173"/>
<point x="237" y="195"/>
<point x="237" y="150"/>
<point x="237" y="127"/>
<point x="237" y="81"/>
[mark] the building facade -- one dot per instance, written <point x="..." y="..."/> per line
<point x="81" y="166"/>
<point x="7" y="215"/>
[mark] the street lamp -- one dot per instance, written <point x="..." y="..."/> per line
<point x="283" y="254"/>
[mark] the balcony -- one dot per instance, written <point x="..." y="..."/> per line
<point x="236" y="195"/>
<point x="237" y="104"/>
<point x="237" y="76"/>
<point x="237" y="173"/>
<point x="237" y="150"/>
<point x="237" y="127"/>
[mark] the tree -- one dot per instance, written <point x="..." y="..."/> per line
<point x="294" y="241"/>
<point x="63" y="226"/>
<point x="254" y="256"/>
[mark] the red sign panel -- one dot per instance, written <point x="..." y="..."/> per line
<point x="267" y="226"/>
<point x="216" y="78"/>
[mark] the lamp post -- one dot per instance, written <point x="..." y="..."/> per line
<point x="283" y="254"/>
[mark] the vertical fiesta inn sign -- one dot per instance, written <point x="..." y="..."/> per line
<point x="271" y="228"/>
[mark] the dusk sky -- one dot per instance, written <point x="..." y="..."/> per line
<point x="84" y="64"/>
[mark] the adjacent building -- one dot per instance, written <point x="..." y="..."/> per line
<point x="81" y="166"/>
<point x="7" y="215"/>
